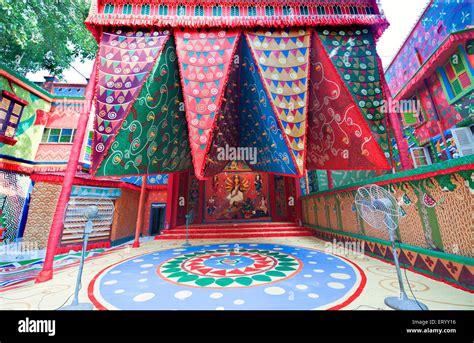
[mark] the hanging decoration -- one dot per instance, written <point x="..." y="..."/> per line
<point x="258" y="124"/>
<point x="153" y="138"/>
<point x="338" y="136"/>
<point x="164" y="104"/>
<point x="282" y="57"/>
<point x="204" y="59"/>
<point x="225" y="135"/>
<point x="126" y="57"/>
<point x="352" y="50"/>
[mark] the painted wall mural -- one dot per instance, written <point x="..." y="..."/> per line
<point x="40" y="217"/>
<point x="281" y="204"/>
<point x="426" y="221"/>
<point x="237" y="195"/>
<point x="440" y="19"/>
<point x="346" y="177"/>
<point x="193" y="197"/>
<point x="450" y="114"/>
<point x="159" y="179"/>
<point x="440" y="153"/>
<point x="30" y="127"/>
<point x="13" y="193"/>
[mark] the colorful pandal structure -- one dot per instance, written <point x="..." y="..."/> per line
<point x="175" y="82"/>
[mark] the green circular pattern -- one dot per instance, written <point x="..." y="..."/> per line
<point x="261" y="267"/>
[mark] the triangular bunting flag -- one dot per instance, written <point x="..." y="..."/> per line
<point x="283" y="104"/>
<point x="204" y="104"/>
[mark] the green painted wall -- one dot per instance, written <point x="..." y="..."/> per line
<point x="28" y="135"/>
<point x="346" y="177"/>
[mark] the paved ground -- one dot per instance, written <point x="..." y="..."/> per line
<point x="272" y="273"/>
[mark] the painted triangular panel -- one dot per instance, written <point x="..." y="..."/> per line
<point x="225" y="135"/>
<point x="153" y="137"/>
<point x="338" y="136"/>
<point x="287" y="63"/>
<point x="259" y="129"/>
<point x="115" y="98"/>
<point x="204" y="99"/>
<point x="352" y="51"/>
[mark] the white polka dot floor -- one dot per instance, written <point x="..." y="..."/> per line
<point x="269" y="274"/>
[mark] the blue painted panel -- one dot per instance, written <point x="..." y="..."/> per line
<point x="258" y="125"/>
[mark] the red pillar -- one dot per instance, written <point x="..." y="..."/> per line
<point x="172" y="200"/>
<point x="299" y="210"/>
<point x="201" y="203"/>
<point x="170" y="195"/>
<point x="56" y="229"/>
<point x="141" y="208"/>
<point x="271" y="184"/>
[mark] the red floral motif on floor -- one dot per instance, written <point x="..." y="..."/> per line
<point x="261" y="264"/>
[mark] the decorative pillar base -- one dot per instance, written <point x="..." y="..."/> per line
<point x="44" y="275"/>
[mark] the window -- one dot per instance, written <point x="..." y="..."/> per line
<point x="53" y="135"/>
<point x="269" y="10"/>
<point x="252" y="10"/>
<point x="337" y="9"/>
<point x="470" y="47"/>
<point x="287" y="10"/>
<point x="353" y="10"/>
<point x="321" y="10"/>
<point x="234" y="11"/>
<point x="11" y="109"/>
<point x="412" y="111"/>
<point x="456" y="77"/>
<point x="88" y="148"/>
<point x="304" y="10"/>
<point x="163" y="10"/>
<point x="145" y="10"/>
<point x="217" y="11"/>
<point x="127" y="9"/>
<point x="199" y="11"/>
<point x="420" y="156"/>
<point x="181" y="10"/>
<point x="109" y="8"/>
<point x="464" y="140"/>
<point x="369" y="10"/>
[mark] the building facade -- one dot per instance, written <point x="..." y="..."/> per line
<point x="38" y="124"/>
<point x="431" y="80"/>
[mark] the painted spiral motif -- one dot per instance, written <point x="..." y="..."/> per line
<point x="153" y="137"/>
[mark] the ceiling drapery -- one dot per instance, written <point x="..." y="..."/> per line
<point x="303" y="99"/>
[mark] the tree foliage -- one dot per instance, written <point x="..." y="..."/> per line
<point x="44" y="34"/>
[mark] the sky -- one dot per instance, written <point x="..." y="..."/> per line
<point x="402" y="15"/>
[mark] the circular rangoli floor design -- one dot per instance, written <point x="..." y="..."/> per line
<point x="229" y="276"/>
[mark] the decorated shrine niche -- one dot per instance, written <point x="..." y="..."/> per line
<point x="236" y="194"/>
